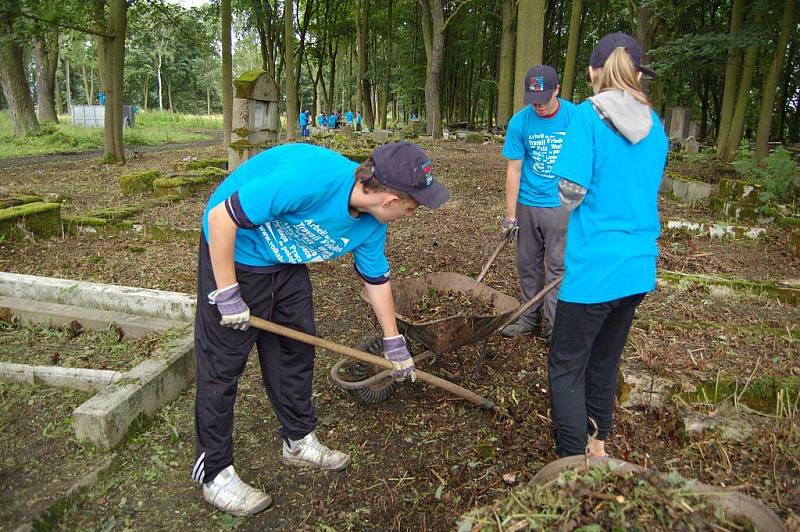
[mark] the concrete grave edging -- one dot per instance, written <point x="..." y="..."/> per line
<point x="106" y="418"/>
<point x="130" y="300"/>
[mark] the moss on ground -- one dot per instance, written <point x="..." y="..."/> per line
<point x="757" y="288"/>
<point x="21" y="199"/>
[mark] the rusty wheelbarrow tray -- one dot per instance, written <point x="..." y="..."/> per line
<point x="436" y="336"/>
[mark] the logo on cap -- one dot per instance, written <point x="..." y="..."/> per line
<point x="427" y="169"/>
<point x="536" y="84"/>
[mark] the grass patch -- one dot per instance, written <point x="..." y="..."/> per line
<point x="152" y="129"/>
<point x="74" y="347"/>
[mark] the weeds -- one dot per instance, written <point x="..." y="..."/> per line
<point x="777" y="173"/>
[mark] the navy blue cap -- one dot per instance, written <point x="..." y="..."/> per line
<point x="611" y="42"/>
<point x="404" y="166"/>
<point x="540" y="82"/>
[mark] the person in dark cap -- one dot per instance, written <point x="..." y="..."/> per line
<point x="533" y="141"/>
<point x="610" y="170"/>
<point x="263" y="224"/>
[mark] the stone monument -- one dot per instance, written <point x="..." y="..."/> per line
<point x="255" y="117"/>
<point x="677" y="125"/>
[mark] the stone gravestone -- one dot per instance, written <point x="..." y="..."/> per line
<point x="255" y="117"/>
<point x="381" y="136"/>
<point x="691" y="146"/>
<point x="677" y="126"/>
<point x="694" y="129"/>
<point x="347" y="131"/>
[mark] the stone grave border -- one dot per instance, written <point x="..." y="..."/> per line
<point x="123" y="400"/>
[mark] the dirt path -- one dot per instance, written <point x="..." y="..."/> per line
<point x="91" y="154"/>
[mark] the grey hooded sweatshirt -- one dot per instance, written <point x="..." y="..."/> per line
<point x="624" y="114"/>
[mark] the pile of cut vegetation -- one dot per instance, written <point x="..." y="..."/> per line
<point x="602" y="498"/>
<point x="437" y="304"/>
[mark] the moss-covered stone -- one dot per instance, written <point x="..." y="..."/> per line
<point x="474" y="138"/>
<point x="739" y="192"/>
<point x="118" y="213"/>
<point x="211" y="171"/>
<point x="85" y="221"/>
<point x="245" y="83"/>
<point x="20" y="199"/>
<point x="358" y="156"/>
<point x="789" y="222"/>
<point x="181" y="185"/>
<point x="39" y="218"/>
<point x="758" y="288"/>
<point x="137" y="183"/>
<point x="761" y="393"/>
<point x="242" y="145"/>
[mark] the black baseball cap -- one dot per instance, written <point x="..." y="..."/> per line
<point x="540" y="82"/>
<point x="405" y="167"/>
<point x="611" y="42"/>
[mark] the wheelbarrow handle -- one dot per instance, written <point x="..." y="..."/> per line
<point x="531" y="302"/>
<point x="455" y="389"/>
<point x="505" y="239"/>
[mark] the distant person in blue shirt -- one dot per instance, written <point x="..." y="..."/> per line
<point x="332" y="121"/>
<point x="289" y="206"/>
<point x="348" y="117"/>
<point x="358" y="120"/>
<point x="610" y="167"/>
<point x="101" y="97"/>
<point x="303" y="120"/>
<point x="321" y="120"/>
<point x="533" y="140"/>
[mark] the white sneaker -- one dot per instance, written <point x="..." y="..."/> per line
<point x="310" y="452"/>
<point x="231" y="494"/>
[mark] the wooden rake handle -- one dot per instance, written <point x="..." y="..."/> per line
<point x="455" y="389"/>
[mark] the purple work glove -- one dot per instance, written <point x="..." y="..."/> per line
<point x="235" y="312"/>
<point x="509" y="225"/>
<point x="396" y="352"/>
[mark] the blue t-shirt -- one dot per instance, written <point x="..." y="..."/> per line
<point x="349" y="116"/>
<point x="332" y="121"/>
<point x="290" y="212"/>
<point x="358" y="118"/>
<point x="303" y="118"/>
<point x="537" y="141"/>
<point x="320" y="120"/>
<point x="611" y="237"/>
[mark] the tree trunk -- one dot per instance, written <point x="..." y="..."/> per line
<point x="169" y="94"/>
<point x="67" y="85"/>
<point x="530" y="44"/>
<point x="743" y="95"/>
<point x="291" y="86"/>
<point x="159" y="82"/>
<point x="145" y="91"/>
<point x="568" y="79"/>
<point x="362" y="28"/>
<point x="505" y="79"/>
<point x="731" y="78"/>
<point x="13" y="78"/>
<point x="383" y="95"/>
<point x="771" y="81"/>
<point x="112" y="63"/>
<point x="45" y="52"/>
<point x="227" y="73"/>
<point x="86" y="90"/>
<point x="433" y="35"/>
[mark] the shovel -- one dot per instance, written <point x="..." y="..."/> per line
<point x="362" y="356"/>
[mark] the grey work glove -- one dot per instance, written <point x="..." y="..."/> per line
<point x="235" y="312"/>
<point x="509" y="225"/>
<point x="396" y="351"/>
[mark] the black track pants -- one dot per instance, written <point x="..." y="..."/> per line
<point x="287" y="366"/>
<point x="587" y="342"/>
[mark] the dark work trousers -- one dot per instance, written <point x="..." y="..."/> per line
<point x="540" y="256"/>
<point x="287" y="366"/>
<point x="587" y="342"/>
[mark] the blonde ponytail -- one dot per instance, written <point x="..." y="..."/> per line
<point x="619" y="73"/>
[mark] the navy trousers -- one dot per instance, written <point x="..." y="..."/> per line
<point x="587" y="342"/>
<point x="287" y="366"/>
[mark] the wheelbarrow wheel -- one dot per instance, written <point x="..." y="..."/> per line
<point x="358" y="371"/>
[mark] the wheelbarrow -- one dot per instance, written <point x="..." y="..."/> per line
<point x="437" y="336"/>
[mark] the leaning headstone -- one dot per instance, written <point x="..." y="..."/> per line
<point x="255" y="117"/>
<point x="691" y="146"/>
<point x="381" y="136"/>
<point x="694" y="129"/>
